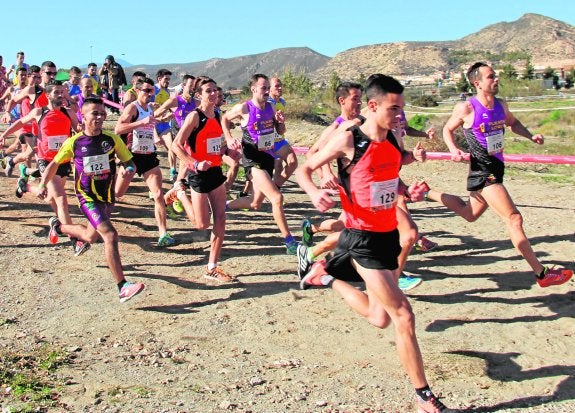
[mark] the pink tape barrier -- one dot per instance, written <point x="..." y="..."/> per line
<point x="446" y="156"/>
<point x="114" y="104"/>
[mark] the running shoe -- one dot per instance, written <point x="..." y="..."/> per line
<point x="129" y="290"/>
<point x="406" y="283"/>
<point x="291" y="249"/>
<point x="81" y="247"/>
<point x="166" y="240"/>
<point x="219" y="275"/>
<point x="303" y="262"/>
<point x="317" y="276"/>
<point x="9" y="168"/>
<point x="22" y="168"/>
<point x="173" y="175"/>
<point x="21" y="186"/>
<point x="425" y="245"/>
<point x="554" y="276"/>
<point x="172" y="195"/>
<point x="170" y="211"/>
<point x="307" y="237"/>
<point x="54" y="232"/>
<point x="178" y="207"/>
<point x="432" y="405"/>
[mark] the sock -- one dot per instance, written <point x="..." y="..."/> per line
<point x="424" y="393"/>
<point x="73" y="241"/>
<point x="36" y="173"/>
<point x="327" y="280"/>
<point x="211" y="266"/>
<point x="121" y="284"/>
<point x="290" y="239"/>
<point x="542" y="273"/>
<point x="310" y="255"/>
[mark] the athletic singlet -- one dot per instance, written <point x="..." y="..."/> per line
<point x="369" y="193"/>
<point x="279" y="105"/>
<point x="94" y="166"/>
<point x="16" y="111"/>
<point x="205" y="142"/>
<point x="400" y="132"/>
<point x="260" y="129"/>
<point x="160" y="95"/>
<point x="183" y="109"/>
<point x="141" y="139"/>
<point x="26" y="107"/>
<point x="339" y="120"/>
<point x="53" y="129"/>
<point x="485" y="137"/>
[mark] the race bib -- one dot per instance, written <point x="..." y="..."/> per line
<point x="56" y="142"/>
<point x="383" y="195"/>
<point x="265" y="142"/>
<point x="278" y="137"/>
<point x="214" y="145"/>
<point x="494" y="143"/>
<point x="143" y="141"/>
<point x="96" y="165"/>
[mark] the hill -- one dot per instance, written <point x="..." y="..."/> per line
<point x="235" y="72"/>
<point x="547" y="41"/>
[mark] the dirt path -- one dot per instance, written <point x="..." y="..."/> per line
<point x="492" y="340"/>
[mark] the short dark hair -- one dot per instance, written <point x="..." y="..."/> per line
<point x="94" y="100"/>
<point x="473" y="73"/>
<point x="141" y="82"/>
<point x="21" y="69"/>
<point x="202" y="82"/>
<point x="138" y="73"/>
<point x="186" y="77"/>
<point x="163" y="72"/>
<point x="48" y="63"/>
<point x="92" y="64"/>
<point x="342" y="90"/>
<point x="51" y="85"/>
<point x="380" y="85"/>
<point x="254" y="79"/>
<point x="75" y="69"/>
<point x="34" y="69"/>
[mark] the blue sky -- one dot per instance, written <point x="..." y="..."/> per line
<point x="181" y="31"/>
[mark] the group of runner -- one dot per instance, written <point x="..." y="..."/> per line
<point x="371" y="238"/>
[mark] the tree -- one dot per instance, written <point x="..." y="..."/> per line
<point x="570" y="79"/>
<point x="529" y="71"/>
<point x="549" y="73"/>
<point x="463" y="85"/>
<point x="508" y="72"/>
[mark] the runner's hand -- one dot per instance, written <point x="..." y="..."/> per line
<point x="321" y="200"/>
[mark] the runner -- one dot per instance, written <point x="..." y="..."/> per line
<point x="369" y="161"/>
<point x="92" y="152"/>
<point x="131" y="94"/>
<point x="163" y="130"/>
<point x="198" y="145"/>
<point x="138" y="122"/>
<point x="55" y="125"/>
<point x="484" y="118"/>
<point x="285" y="157"/>
<point x="422" y="243"/>
<point x="260" y="122"/>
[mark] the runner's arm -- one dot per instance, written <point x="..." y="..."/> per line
<point x="460" y="111"/>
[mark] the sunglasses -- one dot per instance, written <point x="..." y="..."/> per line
<point x="147" y="90"/>
<point x="51" y="73"/>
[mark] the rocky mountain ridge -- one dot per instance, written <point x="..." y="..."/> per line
<point x="547" y="41"/>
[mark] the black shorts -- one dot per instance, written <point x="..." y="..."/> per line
<point x="253" y="158"/>
<point x="476" y="181"/>
<point x="484" y="172"/>
<point x="373" y="250"/>
<point x="204" y="182"/>
<point x="145" y="163"/>
<point x="22" y="137"/>
<point x="64" y="169"/>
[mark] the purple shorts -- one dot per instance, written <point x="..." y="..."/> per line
<point x="96" y="212"/>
